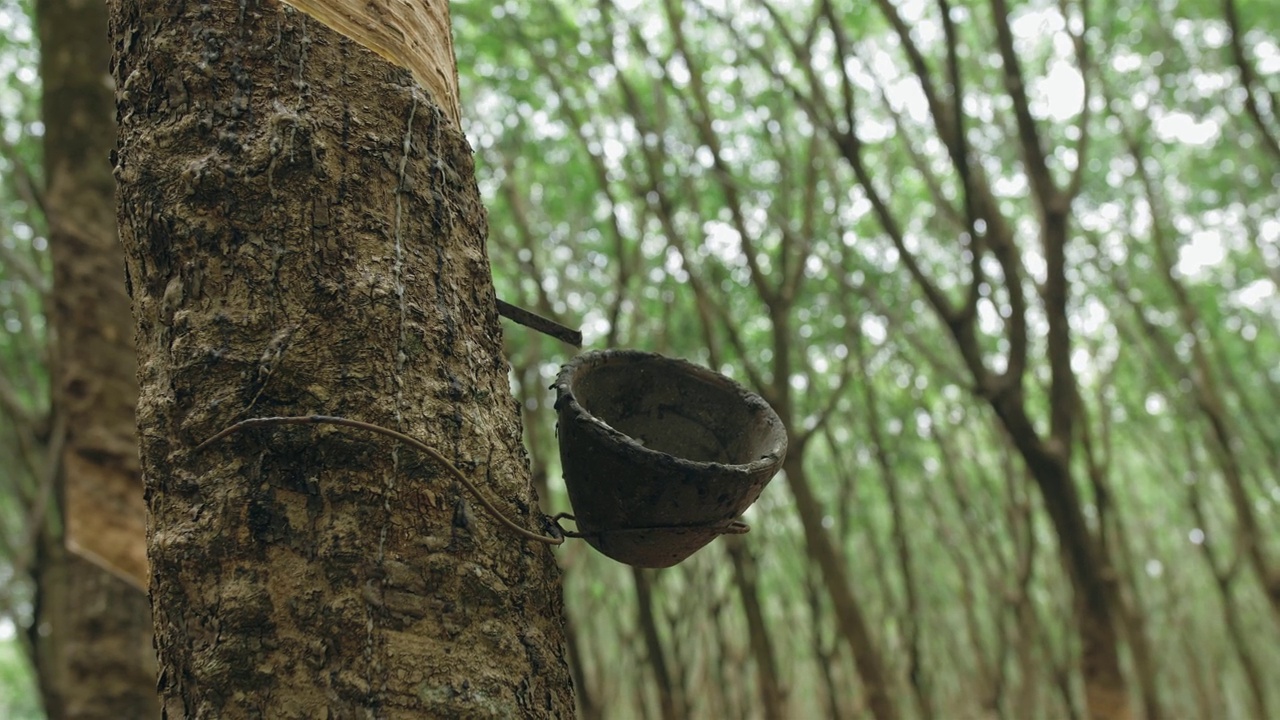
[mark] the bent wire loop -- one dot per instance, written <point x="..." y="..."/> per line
<point x="555" y="533"/>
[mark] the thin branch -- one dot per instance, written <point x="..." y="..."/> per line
<point x="1047" y="193"/>
<point x="665" y="213"/>
<point x="1249" y="79"/>
<point x="834" y="396"/>
<point x="815" y="102"/>
<point x="918" y="65"/>
<point x="26" y="271"/>
<point x="735" y="338"/>
<point x="1081" y="48"/>
<point x="528" y="241"/>
<point x="1055" y="207"/>
<point x="851" y="147"/>
<point x="29" y="189"/>
<point x="623" y="261"/>
<point x="958" y="147"/>
<point x="42" y="514"/>
<point x="791" y="281"/>
<point x="720" y="169"/>
<point x="911" y="145"/>
<point x="12" y="405"/>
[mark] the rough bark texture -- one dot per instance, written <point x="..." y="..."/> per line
<point x="304" y="234"/>
<point x="587" y="706"/>
<point x="93" y="628"/>
<point x="413" y="35"/>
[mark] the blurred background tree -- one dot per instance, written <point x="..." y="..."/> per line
<point x="1008" y="270"/>
<point x="76" y="559"/>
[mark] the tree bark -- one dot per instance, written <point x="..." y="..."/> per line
<point x="93" y="623"/>
<point x="304" y="234"/>
<point x="92" y="640"/>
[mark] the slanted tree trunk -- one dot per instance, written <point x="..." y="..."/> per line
<point x="773" y="696"/>
<point x="304" y="234"/>
<point x="670" y="702"/>
<point x="93" y="644"/>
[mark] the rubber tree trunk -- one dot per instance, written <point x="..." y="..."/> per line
<point x="93" y="646"/>
<point x="304" y="234"/>
<point x="1106" y="690"/>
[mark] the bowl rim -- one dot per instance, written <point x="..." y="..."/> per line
<point x="567" y="404"/>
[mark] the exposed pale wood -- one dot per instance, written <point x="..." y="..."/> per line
<point x="414" y="34"/>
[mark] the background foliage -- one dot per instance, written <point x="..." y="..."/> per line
<point x="24" y="387"/>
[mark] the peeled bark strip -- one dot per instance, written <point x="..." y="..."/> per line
<point x="304" y="235"/>
<point x="413" y="35"/>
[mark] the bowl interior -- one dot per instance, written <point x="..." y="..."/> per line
<point x="678" y="409"/>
